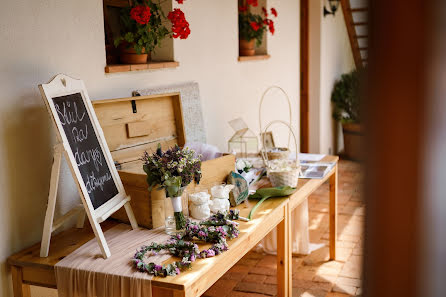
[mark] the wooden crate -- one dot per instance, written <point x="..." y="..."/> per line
<point x="137" y="124"/>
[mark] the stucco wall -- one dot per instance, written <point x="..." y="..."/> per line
<point x="41" y="38"/>
<point x="330" y="56"/>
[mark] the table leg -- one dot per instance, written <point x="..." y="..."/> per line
<point x="19" y="288"/>
<point x="284" y="255"/>
<point x="333" y="212"/>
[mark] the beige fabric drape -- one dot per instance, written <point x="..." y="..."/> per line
<point x="84" y="273"/>
<point x="299" y="230"/>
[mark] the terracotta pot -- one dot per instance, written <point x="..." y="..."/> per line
<point x="353" y="138"/>
<point x="247" y="48"/>
<point x="128" y="55"/>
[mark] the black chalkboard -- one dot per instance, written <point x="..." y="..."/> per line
<point x="86" y="149"/>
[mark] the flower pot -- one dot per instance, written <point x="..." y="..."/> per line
<point x="128" y="55"/>
<point x="175" y="214"/>
<point x="247" y="47"/>
<point x="353" y="138"/>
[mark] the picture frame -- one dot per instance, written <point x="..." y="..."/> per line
<point x="267" y="140"/>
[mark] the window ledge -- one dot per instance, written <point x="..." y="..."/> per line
<point x="253" y="58"/>
<point x="135" y="67"/>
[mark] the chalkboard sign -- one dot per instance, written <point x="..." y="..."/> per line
<point x="81" y="140"/>
<point x="86" y="149"/>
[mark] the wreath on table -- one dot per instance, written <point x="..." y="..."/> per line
<point x="215" y="230"/>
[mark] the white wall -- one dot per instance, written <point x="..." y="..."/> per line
<point x="41" y="38"/>
<point x="330" y="56"/>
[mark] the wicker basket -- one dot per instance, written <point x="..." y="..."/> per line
<point x="278" y="176"/>
<point x="278" y="153"/>
<point x="284" y="178"/>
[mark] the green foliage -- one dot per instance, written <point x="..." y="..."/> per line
<point x="246" y="32"/>
<point x="266" y="193"/>
<point x="147" y="36"/>
<point x="346" y="98"/>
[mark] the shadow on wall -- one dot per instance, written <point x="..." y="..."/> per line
<point x="27" y="164"/>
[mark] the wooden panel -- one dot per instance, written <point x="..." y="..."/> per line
<point x="157" y="113"/>
<point x="133" y="154"/>
<point x="137" y="129"/>
<point x="62" y="244"/>
<point x="141" y="206"/>
<point x="253" y="58"/>
<point x="39" y="277"/>
<point x="137" y="124"/>
<point x="114" y="68"/>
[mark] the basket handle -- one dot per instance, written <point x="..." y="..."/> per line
<point x="260" y="107"/>
<point x="263" y="151"/>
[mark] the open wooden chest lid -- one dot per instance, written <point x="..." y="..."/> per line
<point x="137" y="124"/>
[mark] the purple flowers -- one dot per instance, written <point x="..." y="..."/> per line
<point x="215" y="230"/>
<point x="210" y="253"/>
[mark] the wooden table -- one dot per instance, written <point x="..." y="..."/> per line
<point x="29" y="269"/>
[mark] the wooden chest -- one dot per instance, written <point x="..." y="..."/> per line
<point x="137" y="124"/>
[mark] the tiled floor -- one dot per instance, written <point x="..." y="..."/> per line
<point x="255" y="274"/>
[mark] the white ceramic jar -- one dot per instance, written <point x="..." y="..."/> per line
<point x="199" y="205"/>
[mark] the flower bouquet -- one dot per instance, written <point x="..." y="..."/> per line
<point x="252" y="26"/>
<point x="144" y="25"/>
<point x="172" y="171"/>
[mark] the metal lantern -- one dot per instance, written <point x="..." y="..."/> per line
<point x="333" y="6"/>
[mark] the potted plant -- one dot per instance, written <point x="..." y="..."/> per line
<point x="144" y="25"/>
<point x="346" y="100"/>
<point x="172" y="171"/>
<point x="252" y="26"/>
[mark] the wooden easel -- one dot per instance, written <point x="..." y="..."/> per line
<point x="62" y="85"/>
<point x="50" y="225"/>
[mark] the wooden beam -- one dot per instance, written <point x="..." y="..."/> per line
<point x="304" y="77"/>
<point x="399" y="88"/>
<point x="360" y="23"/>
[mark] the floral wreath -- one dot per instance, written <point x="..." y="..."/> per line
<point x="214" y="230"/>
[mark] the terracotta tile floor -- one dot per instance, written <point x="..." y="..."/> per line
<point x="255" y="274"/>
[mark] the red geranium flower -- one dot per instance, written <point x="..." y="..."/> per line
<point x="255" y="26"/>
<point x="274" y="11"/>
<point x="141" y="14"/>
<point x="264" y="11"/>
<point x="243" y="8"/>
<point x="252" y="2"/>
<point x="180" y="1"/>
<point x="180" y="27"/>
<point x="271" y="27"/>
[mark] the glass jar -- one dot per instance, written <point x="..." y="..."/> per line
<point x="175" y="214"/>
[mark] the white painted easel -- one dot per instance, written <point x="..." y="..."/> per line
<point x="62" y="85"/>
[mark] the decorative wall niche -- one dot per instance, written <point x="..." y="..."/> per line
<point x="162" y="57"/>
<point x="261" y="51"/>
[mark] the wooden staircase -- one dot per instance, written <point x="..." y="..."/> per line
<point x="356" y="21"/>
